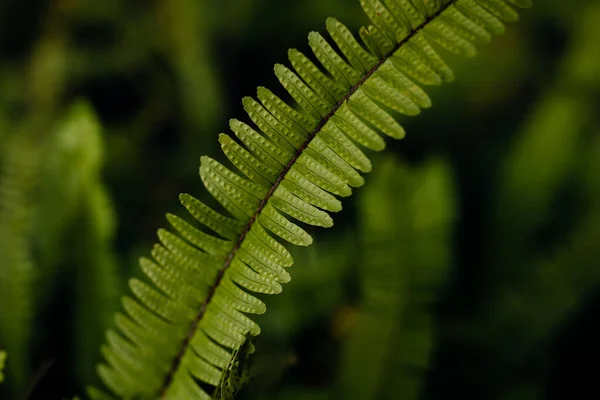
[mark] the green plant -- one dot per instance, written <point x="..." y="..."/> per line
<point x="539" y="270"/>
<point x="81" y="211"/>
<point x="51" y="196"/>
<point x="390" y="345"/>
<point x="553" y="162"/>
<point x="18" y="174"/>
<point x="2" y="364"/>
<point x="182" y="326"/>
<point x="237" y="373"/>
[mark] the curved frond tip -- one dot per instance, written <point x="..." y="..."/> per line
<point x="177" y="336"/>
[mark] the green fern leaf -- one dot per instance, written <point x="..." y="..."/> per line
<point x="390" y="344"/>
<point x="96" y="268"/>
<point x="51" y="192"/>
<point x="18" y="180"/>
<point x="296" y="160"/>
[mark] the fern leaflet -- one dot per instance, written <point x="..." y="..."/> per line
<point x="237" y="373"/>
<point x="179" y="332"/>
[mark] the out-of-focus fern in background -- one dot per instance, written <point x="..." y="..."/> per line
<point x="467" y="267"/>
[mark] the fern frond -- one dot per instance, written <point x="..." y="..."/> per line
<point x="182" y="327"/>
<point x="18" y="178"/>
<point x="406" y="253"/>
<point x="50" y="195"/>
<point x="72" y="162"/>
<point x="94" y="271"/>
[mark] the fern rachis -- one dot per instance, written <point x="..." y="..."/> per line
<point x="296" y="163"/>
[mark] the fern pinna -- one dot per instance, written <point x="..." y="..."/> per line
<point x="176" y="338"/>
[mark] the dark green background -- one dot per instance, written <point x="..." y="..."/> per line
<point x="165" y="76"/>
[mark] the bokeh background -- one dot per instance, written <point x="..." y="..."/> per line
<point x="467" y="267"/>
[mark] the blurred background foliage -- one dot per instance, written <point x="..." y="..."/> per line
<point x="467" y="267"/>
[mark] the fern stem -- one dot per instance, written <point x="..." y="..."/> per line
<point x="203" y="307"/>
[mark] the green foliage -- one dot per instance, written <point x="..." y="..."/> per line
<point x="518" y="127"/>
<point x="390" y="346"/>
<point x="184" y="325"/>
<point x="237" y="374"/>
<point x="541" y="264"/>
<point x="21" y="155"/>
<point x="73" y="206"/>
<point x="531" y="305"/>
<point x="2" y="364"/>
<point x="184" y="20"/>
<point x="544" y="165"/>
<point x="319" y="274"/>
<point x="96" y="284"/>
<point x="17" y="182"/>
<point x="51" y="197"/>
